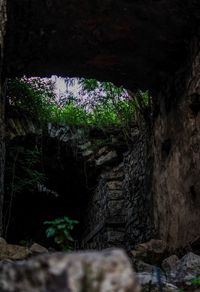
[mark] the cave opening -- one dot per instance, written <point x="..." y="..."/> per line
<point x="58" y="182"/>
<point x="64" y="192"/>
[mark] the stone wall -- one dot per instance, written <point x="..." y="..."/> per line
<point x="105" y="216"/>
<point x="117" y="208"/>
<point x="138" y="164"/>
<point x="177" y="155"/>
<point x="120" y="210"/>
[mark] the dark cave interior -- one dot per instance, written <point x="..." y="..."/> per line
<point x="65" y="176"/>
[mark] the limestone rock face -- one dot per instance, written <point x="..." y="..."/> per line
<point x="129" y="42"/>
<point x="90" y="271"/>
<point x="38" y="249"/>
<point x="176" y="165"/>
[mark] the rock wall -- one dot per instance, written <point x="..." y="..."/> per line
<point x="138" y="165"/>
<point x="177" y="155"/>
<point x="2" y="106"/>
<point x="120" y="210"/>
<point x="116" y="40"/>
<point x="117" y="210"/>
<point x="133" y="43"/>
<point x="105" y="216"/>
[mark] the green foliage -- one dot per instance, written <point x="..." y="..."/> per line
<point x="70" y="114"/>
<point x="32" y="96"/>
<point x="100" y="104"/>
<point x="26" y="242"/>
<point x="60" y="230"/>
<point x="195" y="284"/>
<point x="22" y="174"/>
<point x="196" y="281"/>
<point x="22" y="169"/>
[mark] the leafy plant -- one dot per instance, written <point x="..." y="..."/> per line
<point x="32" y="96"/>
<point x="23" y="168"/>
<point x="26" y="242"/>
<point x="196" y="281"/>
<point x="60" y="229"/>
<point x="99" y="104"/>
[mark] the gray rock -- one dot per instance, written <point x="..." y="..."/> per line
<point x="85" y="146"/>
<point x="188" y="267"/>
<point x="151" y="251"/>
<point x="108" y="157"/>
<point x="87" y="153"/>
<point x="149" y="282"/>
<point x="2" y="241"/>
<point x="170" y="263"/>
<point x="102" y="151"/>
<point x="37" y="249"/>
<point x="13" y="252"/>
<point x="144" y="267"/>
<point x="114" y="185"/>
<point x="88" y="271"/>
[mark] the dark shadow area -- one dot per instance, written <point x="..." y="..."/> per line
<point x="64" y="192"/>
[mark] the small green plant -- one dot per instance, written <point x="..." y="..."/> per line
<point x="26" y="242"/>
<point x="60" y="230"/>
<point x="196" y="281"/>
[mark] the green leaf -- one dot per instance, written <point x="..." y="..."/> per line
<point x="50" y="232"/>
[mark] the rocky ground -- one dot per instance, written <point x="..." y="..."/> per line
<point x="34" y="269"/>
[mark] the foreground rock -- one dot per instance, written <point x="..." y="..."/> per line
<point x="183" y="271"/>
<point x="90" y="271"/>
<point x="176" y="274"/>
<point x="150" y="282"/>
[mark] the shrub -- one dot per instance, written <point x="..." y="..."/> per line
<point x="60" y="229"/>
<point x="99" y="104"/>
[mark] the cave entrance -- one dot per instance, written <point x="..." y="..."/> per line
<point x="67" y="157"/>
<point x="65" y="190"/>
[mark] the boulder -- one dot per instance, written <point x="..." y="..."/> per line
<point x="183" y="272"/>
<point x="152" y="251"/>
<point x="150" y="282"/>
<point x="108" y="157"/>
<point x="107" y="271"/>
<point x="37" y="249"/>
<point x="12" y="252"/>
<point x="187" y="268"/>
<point x="87" y="153"/>
<point x="2" y="241"/>
<point x="170" y="263"/>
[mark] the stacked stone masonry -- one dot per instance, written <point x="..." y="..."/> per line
<point x="117" y="211"/>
